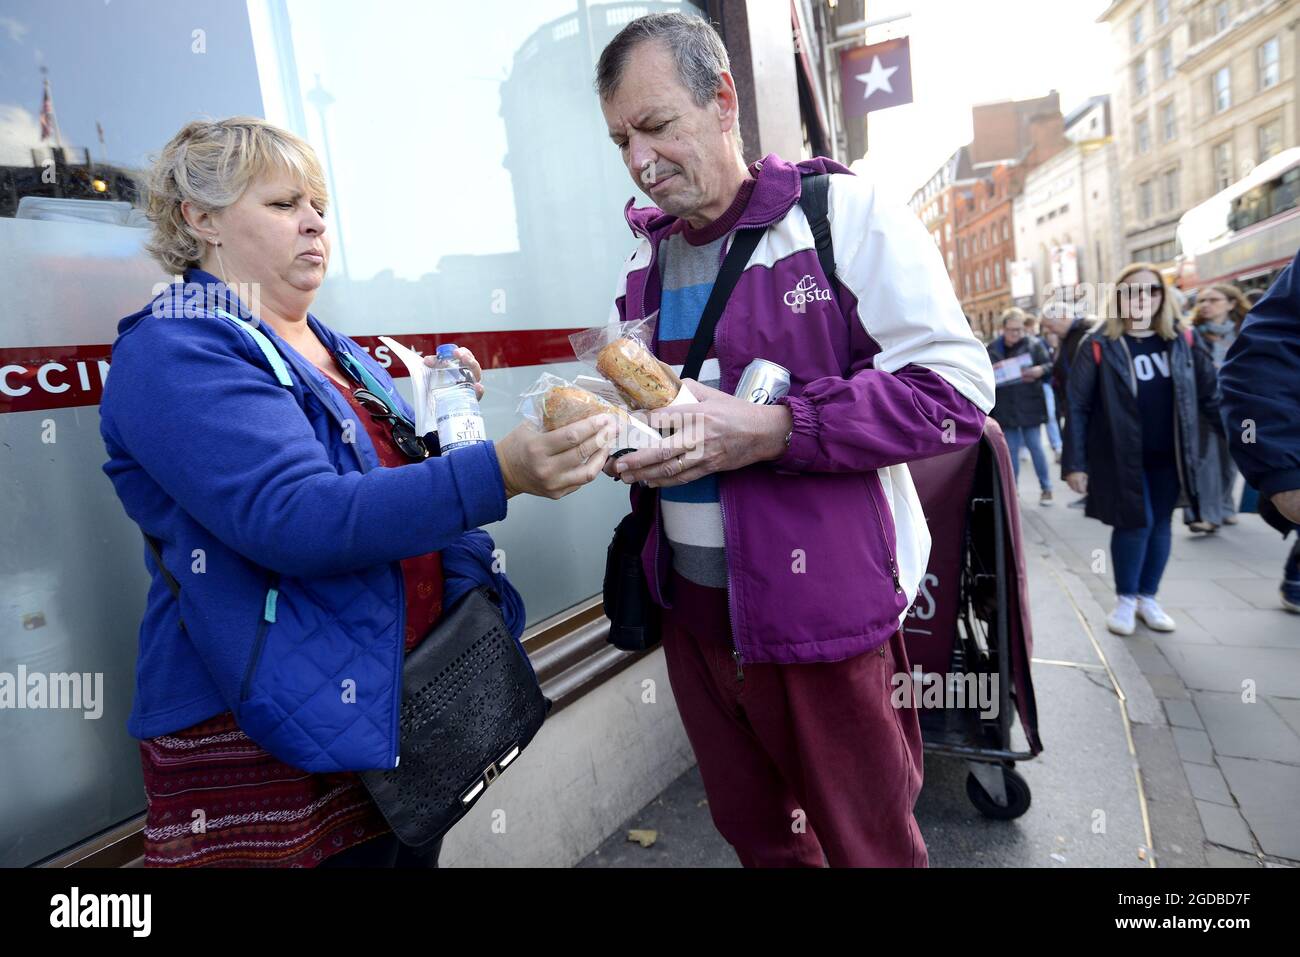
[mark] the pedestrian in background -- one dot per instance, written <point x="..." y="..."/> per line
<point x="1260" y="380"/>
<point x="1068" y="321"/>
<point x="1220" y="311"/>
<point x="1136" y="388"/>
<point x="1050" y="343"/>
<point x="1020" y="405"/>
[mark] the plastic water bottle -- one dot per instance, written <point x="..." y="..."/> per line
<point x="451" y="387"/>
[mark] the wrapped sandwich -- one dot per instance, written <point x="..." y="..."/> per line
<point x="553" y="403"/>
<point x="618" y="352"/>
<point x="641" y="378"/>
<point x="562" y="405"/>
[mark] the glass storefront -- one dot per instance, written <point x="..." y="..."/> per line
<point x="474" y="192"/>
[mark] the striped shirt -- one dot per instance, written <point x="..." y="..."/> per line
<point x="689" y="262"/>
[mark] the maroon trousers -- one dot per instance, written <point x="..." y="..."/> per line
<point x="803" y="764"/>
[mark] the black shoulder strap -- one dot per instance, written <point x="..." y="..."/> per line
<point x="172" y="584"/>
<point x="742" y="247"/>
<point x="814" y="200"/>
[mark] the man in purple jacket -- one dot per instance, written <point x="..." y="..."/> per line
<point x="789" y="540"/>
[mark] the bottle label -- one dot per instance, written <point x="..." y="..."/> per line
<point x="457" y="429"/>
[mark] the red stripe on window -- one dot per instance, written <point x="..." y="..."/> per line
<point x="35" y="378"/>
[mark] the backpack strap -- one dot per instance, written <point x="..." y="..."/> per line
<point x="814" y="200"/>
<point x="263" y="343"/>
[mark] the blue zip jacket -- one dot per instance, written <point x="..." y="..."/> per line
<point x="1260" y="381"/>
<point x="282" y="528"/>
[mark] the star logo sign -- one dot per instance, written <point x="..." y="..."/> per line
<point x="876" y="79"/>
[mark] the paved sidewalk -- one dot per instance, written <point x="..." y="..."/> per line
<point x="1086" y="810"/>
<point x="1147" y="740"/>
<point x="1227" y="680"/>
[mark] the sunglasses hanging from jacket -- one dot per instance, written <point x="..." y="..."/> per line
<point x="374" y="399"/>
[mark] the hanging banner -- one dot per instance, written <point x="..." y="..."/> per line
<point x="876" y="77"/>
<point x="1022" y="281"/>
<point x="1065" y="265"/>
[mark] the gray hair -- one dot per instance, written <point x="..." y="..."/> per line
<point x="695" y="46"/>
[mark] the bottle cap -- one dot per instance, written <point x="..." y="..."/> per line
<point x="447" y="350"/>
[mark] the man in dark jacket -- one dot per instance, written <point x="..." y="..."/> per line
<point x="1260" y="382"/>
<point x="1020" y="407"/>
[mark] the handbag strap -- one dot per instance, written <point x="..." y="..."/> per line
<point x="172" y="584"/>
<point x="742" y="247"/>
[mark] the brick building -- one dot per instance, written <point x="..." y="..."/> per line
<point x="936" y="205"/>
<point x="986" y="245"/>
<point x="967" y="204"/>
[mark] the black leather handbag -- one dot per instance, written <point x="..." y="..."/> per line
<point x="470" y="705"/>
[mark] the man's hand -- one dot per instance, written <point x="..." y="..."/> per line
<point x="720" y="433"/>
<point x="1031" y="373"/>
<point x="1078" y="482"/>
<point x="1288" y="503"/>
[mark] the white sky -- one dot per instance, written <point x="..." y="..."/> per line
<point x="966" y="52"/>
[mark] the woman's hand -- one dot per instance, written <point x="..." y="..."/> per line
<point x="1078" y="482"/>
<point x="553" y="464"/>
<point x="467" y="358"/>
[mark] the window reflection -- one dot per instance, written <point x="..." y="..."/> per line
<point x="475" y="192"/>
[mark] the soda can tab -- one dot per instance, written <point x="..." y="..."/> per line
<point x="763" y="382"/>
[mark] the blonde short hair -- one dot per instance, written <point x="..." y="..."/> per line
<point x="1164" y="323"/>
<point x="210" y="164"/>
<point x="1015" y="312"/>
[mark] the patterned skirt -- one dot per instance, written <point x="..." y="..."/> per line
<point x="216" y="799"/>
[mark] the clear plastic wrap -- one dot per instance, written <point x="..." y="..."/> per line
<point x="620" y="353"/>
<point x="552" y="403"/>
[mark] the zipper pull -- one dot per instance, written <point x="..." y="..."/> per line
<point x="893" y="570"/>
<point x="740" y="672"/>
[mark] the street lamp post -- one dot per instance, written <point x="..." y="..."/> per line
<point x="322" y="100"/>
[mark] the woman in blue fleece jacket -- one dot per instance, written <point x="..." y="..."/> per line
<point x="238" y="442"/>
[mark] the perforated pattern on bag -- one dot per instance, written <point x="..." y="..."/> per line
<point x="467" y="703"/>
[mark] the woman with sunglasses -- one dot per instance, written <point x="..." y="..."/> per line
<point x="301" y="536"/>
<point x="1136" y="389"/>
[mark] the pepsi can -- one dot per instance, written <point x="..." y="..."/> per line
<point x="763" y="382"/>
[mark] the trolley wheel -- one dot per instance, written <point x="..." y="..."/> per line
<point x="1018" y="796"/>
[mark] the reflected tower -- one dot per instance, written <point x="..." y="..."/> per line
<point x="560" y="159"/>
